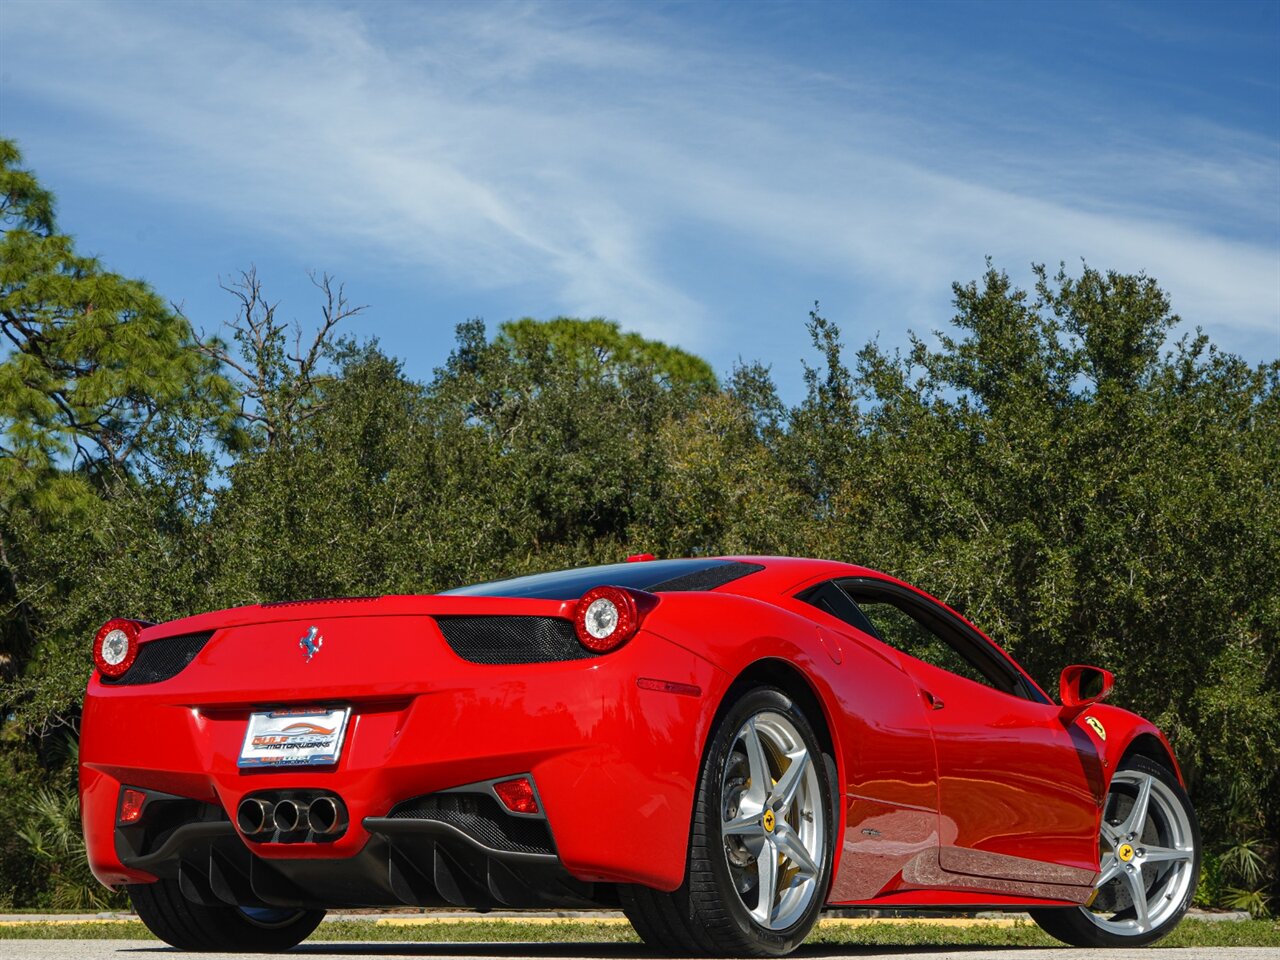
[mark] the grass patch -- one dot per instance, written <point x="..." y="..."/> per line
<point x="1190" y="933"/>
<point x="102" y="930"/>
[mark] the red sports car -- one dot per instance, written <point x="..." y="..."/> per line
<point x="719" y="747"/>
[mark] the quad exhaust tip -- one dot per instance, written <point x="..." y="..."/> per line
<point x="290" y="817"/>
<point x="326" y="816"/>
<point x="322" y="816"/>
<point x="256" y="816"/>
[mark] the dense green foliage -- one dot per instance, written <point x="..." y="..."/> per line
<point x="1051" y="465"/>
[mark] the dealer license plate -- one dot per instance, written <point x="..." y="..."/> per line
<point x="295" y="737"/>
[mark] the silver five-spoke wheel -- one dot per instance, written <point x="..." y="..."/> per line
<point x="773" y="822"/>
<point x="760" y="844"/>
<point x="1148" y="861"/>
<point x="1147" y="852"/>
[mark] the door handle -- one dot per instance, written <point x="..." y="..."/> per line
<point x="933" y="702"/>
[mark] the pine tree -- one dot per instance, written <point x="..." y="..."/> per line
<point x="92" y="369"/>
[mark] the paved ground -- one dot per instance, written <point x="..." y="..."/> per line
<point x="136" y="950"/>
<point x="147" y="950"/>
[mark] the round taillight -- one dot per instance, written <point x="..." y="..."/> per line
<point x="116" y="646"/>
<point x="606" y="618"/>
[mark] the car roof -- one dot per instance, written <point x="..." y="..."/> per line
<point x="782" y="575"/>
<point x="761" y="577"/>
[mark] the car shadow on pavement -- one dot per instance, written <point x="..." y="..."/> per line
<point x="573" y="951"/>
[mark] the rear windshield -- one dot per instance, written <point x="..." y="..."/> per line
<point x="652" y="575"/>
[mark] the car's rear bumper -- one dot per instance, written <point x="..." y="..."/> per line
<point x="614" y="765"/>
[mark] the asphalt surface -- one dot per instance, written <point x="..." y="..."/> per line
<point x="137" y="950"/>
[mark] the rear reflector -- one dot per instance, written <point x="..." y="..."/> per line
<point x="517" y="795"/>
<point x="131" y="802"/>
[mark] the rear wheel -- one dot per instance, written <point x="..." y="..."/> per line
<point x="192" y="926"/>
<point x="760" y="844"/>
<point x="1149" y="855"/>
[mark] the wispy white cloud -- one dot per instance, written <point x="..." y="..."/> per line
<point x="557" y="147"/>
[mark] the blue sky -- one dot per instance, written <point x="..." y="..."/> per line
<point x="700" y="172"/>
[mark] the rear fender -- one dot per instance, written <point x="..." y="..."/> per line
<point x="709" y="626"/>
<point x="779" y="642"/>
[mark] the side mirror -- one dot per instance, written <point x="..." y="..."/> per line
<point x="1079" y="686"/>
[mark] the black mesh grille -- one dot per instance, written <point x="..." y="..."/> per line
<point x="479" y="817"/>
<point x="707" y="579"/>
<point x="512" y="639"/>
<point x="161" y="659"/>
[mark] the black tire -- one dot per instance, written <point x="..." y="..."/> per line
<point x="1073" y="924"/>
<point x="706" y="915"/>
<point x="192" y="926"/>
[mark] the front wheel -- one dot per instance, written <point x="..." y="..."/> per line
<point x="192" y="926"/>
<point x="1149" y="857"/>
<point x="760" y="844"/>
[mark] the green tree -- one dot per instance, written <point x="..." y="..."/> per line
<point x="95" y="366"/>
<point x="102" y="391"/>
<point x="92" y="359"/>
<point x="377" y="489"/>
<point x="563" y="420"/>
<point x="719" y="488"/>
<point x="597" y="345"/>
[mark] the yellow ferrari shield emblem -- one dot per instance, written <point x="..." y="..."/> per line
<point x="1125" y="852"/>
<point x="768" y="821"/>
<point x="1096" y="726"/>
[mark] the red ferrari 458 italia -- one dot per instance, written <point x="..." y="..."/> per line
<point x="719" y="747"/>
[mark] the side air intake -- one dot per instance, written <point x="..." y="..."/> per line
<point x="162" y="659"/>
<point x="501" y="639"/>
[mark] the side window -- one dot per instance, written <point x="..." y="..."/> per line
<point x="905" y="621"/>
<point x="903" y="632"/>
<point x="901" y="619"/>
<point x="829" y="598"/>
